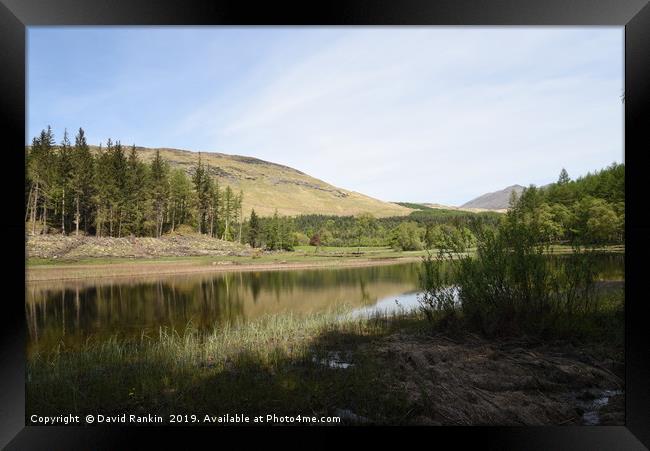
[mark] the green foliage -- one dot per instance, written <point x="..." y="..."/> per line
<point x="347" y="231"/>
<point x="597" y="221"/>
<point x="589" y="210"/>
<point x="300" y="239"/>
<point x="180" y="197"/>
<point x="254" y="230"/>
<point x="70" y="190"/>
<point x="438" y="297"/>
<point x="363" y="226"/>
<point x="136" y="187"/>
<point x="407" y="237"/>
<point x="511" y="286"/>
<point x="159" y="191"/>
<point x="279" y="233"/>
<point x="447" y="237"/>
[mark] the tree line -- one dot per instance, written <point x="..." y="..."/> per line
<point x="110" y="192"/>
<point x="511" y="285"/>
<point x="412" y="232"/>
<point x="70" y="189"/>
<point x="588" y="210"/>
<point x="585" y="211"/>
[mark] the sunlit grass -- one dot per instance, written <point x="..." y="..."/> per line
<point x="148" y="372"/>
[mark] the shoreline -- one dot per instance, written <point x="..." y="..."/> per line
<point x="121" y="267"/>
<point x="71" y="271"/>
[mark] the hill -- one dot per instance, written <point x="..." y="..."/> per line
<point x="498" y="200"/>
<point x="446" y="209"/>
<point x="268" y="186"/>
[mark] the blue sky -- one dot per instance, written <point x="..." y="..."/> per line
<point x="422" y="114"/>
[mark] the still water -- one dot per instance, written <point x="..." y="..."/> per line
<point x="67" y="313"/>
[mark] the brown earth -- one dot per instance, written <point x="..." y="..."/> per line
<point x="176" y="245"/>
<point x="47" y="273"/>
<point x="472" y="381"/>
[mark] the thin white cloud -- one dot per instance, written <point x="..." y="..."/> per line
<point x="368" y="114"/>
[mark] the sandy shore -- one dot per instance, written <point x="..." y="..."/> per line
<point x="46" y="273"/>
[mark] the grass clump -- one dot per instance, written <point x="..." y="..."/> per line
<point x="277" y="364"/>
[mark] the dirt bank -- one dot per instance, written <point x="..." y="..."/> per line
<point x="472" y="381"/>
<point x="66" y="248"/>
<point x="154" y="268"/>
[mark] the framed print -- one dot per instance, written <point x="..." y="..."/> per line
<point x="425" y="215"/>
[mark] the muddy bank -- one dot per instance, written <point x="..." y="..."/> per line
<point x="156" y="268"/>
<point x="472" y="381"/>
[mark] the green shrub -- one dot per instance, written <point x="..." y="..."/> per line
<point x="511" y="285"/>
<point x="439" y="294"/>
<point x="406" y="237"/>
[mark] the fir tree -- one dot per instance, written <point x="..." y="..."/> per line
<point x="159" y="191"/>
<point x="81" y="180"/>
<point x="254" y="230"/>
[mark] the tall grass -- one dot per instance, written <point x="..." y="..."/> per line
<point x="252" y="365"/>
<point x="511" y="286"/>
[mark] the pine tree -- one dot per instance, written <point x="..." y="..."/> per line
<point x="81" y="180"/>
<point x="35" y="175"/>
<point x="179" y="197"/>
<point x="228" y="210"/>
<point x="216" y="200"/>
<point x="46" y="161"/>
<point x="116" y="194"/>
<point x="103" y="187"/>
<point x="564" y="178"/>
<point x="135" y="193"/>
<point x="286" y="233"/>
<point x="63" y="178"/>
<point x="201" y="182"/>
<point x="254" y="230"/>
<point x="240" y="217"/>
<point x="120" y="195"/>
<point x="159" y="179"/>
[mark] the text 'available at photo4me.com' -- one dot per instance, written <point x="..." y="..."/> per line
<point x="129" y="418"/>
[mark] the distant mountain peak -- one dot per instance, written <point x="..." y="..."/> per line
<point x="497" y="200"/>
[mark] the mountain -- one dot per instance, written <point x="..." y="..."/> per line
<point x="498" y="200"/>
<point x="269" y="186"/>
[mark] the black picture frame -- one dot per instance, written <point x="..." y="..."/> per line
<point x="634" y="15"/>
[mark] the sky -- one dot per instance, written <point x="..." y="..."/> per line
<point x="418" y="114"/>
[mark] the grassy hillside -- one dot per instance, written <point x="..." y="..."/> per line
<point x="445" y="209"/>
<point x="268" y="186"/>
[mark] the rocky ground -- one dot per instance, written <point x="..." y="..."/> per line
<point x="471" y="381"/>
<point x="59" y="247"/>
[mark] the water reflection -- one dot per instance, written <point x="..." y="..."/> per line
<point x="68" y="312"/>
<point x="71" y="311"/>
